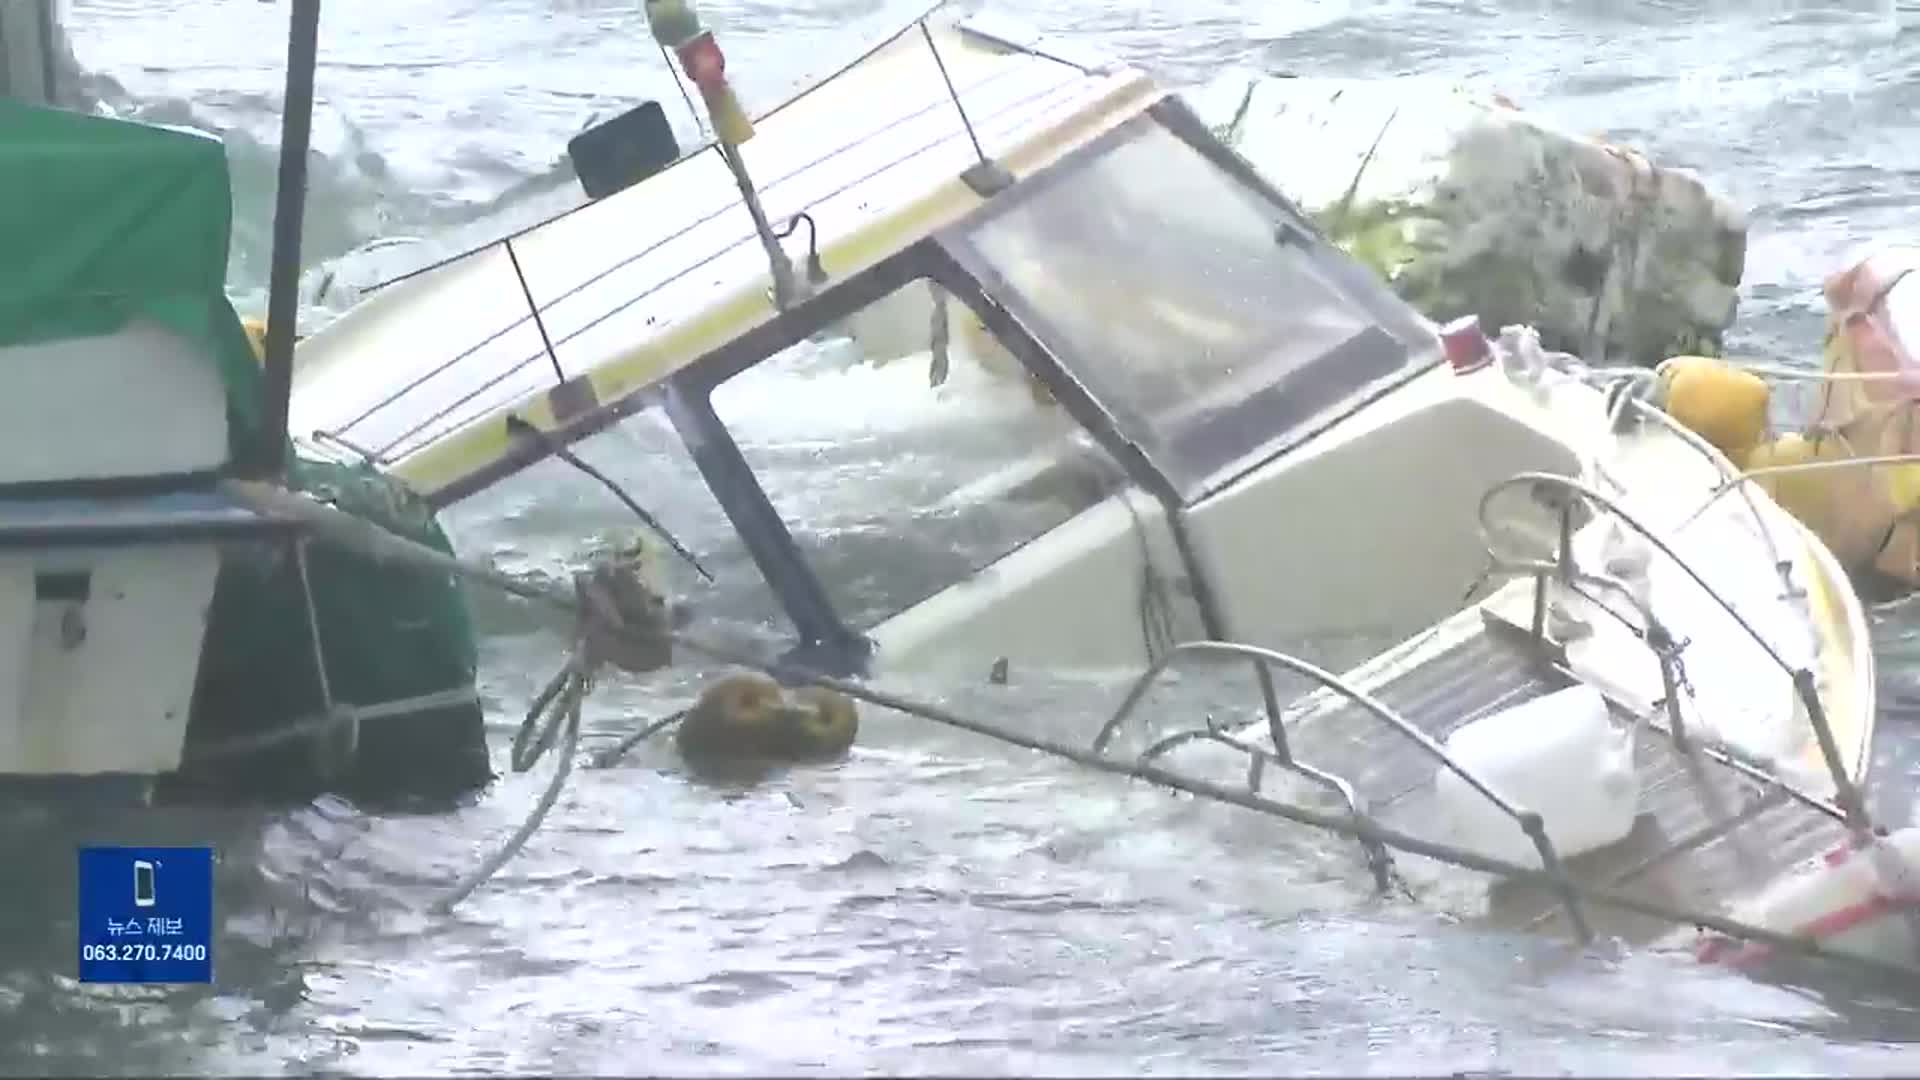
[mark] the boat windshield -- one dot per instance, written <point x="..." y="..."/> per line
<point x="1205" y="317"/>
<point x="897" y="475"/>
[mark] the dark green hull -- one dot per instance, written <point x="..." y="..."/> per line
<point x="389" y="632"/>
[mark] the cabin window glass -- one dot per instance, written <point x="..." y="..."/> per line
<point x="894" y="488"/>
<point x="1189" y="305"/>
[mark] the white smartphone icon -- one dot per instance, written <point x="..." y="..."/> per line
<point x="142" y="883"/>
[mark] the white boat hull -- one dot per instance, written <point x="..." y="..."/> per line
<point x="108" y="549"/>
<point x="1372" y="529"/>
<point x="100" y="681"/>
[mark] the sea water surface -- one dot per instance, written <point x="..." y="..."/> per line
<point x="937" y="904"/>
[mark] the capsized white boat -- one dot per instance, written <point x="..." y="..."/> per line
<point x="1243" y="433"/>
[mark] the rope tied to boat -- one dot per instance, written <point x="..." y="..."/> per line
<point x="619" y="622"/>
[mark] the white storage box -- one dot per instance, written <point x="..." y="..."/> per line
<point x="1560" y="756"/>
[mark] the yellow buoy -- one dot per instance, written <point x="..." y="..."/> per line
<point x="1722" y="404"/>
<point x="732" y="717"/>
<point x="1903" y="486"/>
<point x="1849" y="508"/>
<point x="747" y="719"/>
<point x="1899" y="557"/>
<point x="825" y="723"/>
<point x="256" y="329"/>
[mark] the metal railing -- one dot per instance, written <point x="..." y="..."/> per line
<point x="1529" y="822"/>
<point x="1846" y="793"/>
<point x="995" y="116"/>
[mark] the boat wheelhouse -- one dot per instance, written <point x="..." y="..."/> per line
<point x="1221" y="332"/>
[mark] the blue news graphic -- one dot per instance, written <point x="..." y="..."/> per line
<point x="146" y="915"/>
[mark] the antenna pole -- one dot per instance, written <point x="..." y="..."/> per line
<point x="699" y="119"/>
<point x="290" y="200"/>
<point x="785" y="289"/>
<point x="676" y="26"/>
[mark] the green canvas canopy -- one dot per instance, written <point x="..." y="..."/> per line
<point x="103" y="221"/>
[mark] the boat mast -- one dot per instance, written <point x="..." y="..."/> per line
<point x="27" y="65"/>
<point x="290" y="200"/>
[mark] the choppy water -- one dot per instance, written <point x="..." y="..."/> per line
<point x="936" y="904"/>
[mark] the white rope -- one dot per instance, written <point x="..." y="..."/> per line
<point x="340" y="715"/>
<point x="565" y="708"/>
<point x="1794" y="374"/>
<point x="615" y="625"/>
<point x="328" y="706"/>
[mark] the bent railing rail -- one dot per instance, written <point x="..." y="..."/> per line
<point x="1846" y="793"/>
<point x="1529" y="822"/>
<point x="1379" y="862"/>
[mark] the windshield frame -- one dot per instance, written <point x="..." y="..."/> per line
<point x="1277" y="415"/>
<point x="826" y="640"/>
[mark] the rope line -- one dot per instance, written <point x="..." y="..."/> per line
<point x="340" y="716"/>
<point x="562" y="710"/>
<point x="618" y="623"/>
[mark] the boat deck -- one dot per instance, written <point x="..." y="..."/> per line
<point x="1709" y="829"/>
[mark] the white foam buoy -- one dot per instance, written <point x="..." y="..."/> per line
<point x="1861" y="901"/>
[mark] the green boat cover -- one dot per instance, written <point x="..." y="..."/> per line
<point x="105" y="220"/>
<point x="388" y="631"/>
